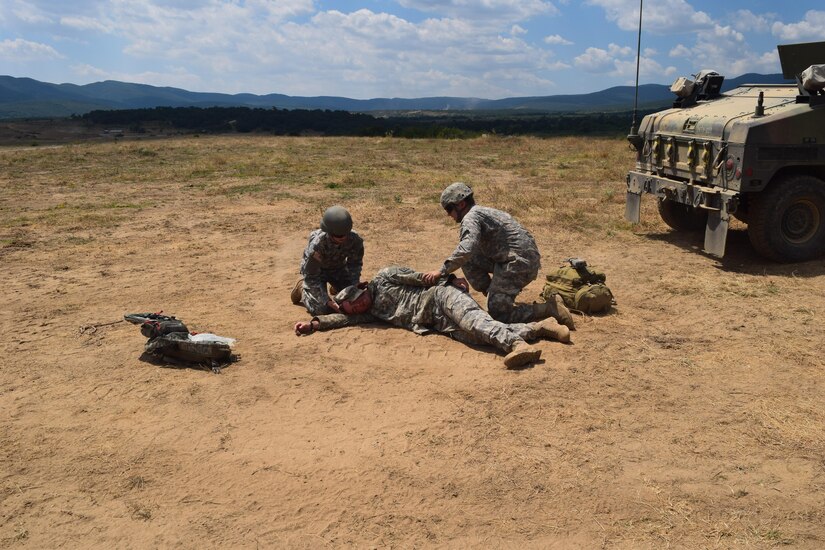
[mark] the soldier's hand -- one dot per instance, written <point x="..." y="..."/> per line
<point x="333" y="306"/>
<point x="431" y="277"/>
<point x="303" y="328"/>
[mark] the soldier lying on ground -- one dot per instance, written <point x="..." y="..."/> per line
<point x="499" y="257"/>
<point x="333" y="255"/>
<point x="400" y="296"/>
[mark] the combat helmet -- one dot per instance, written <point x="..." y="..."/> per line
<point x="455" y="193"/>
<point x="336" y="221"/>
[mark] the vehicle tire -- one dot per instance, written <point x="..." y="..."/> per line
<point x="682" y="217"/>
<point x="787" y="220"/>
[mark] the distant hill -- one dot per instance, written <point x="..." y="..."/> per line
<point x="29" y="98"/>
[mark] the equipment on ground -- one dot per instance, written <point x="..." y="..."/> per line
<point x="580" y="286"/>
<point x="170" y="340"/>
<point x="756" y="152"/>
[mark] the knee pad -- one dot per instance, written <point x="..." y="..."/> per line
<point x="500" y="306"/>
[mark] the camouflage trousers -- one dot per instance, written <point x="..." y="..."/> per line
<point x="315" y="294"/>
<point x="457" y="314"/>
<point x="502" y="282"/>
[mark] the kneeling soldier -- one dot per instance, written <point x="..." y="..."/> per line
<point x="333" y="256"/>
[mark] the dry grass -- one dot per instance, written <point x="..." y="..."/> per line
<point x="576" y="181"/>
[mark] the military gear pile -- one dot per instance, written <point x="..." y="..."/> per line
<point x="170" y="340"/>
<point x="580" y="286"/>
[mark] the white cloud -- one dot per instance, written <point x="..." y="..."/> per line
<point x="368" y="54"/>
<point x="747" y="21"/>
<point x="554" y="65"/>
<point x="809" y="29"/>
<point x="719" y="46"/>
<point x="724" y="49"/>
<point x="29" y="13"/>
<point x="83" y="23"/>
<point x="496" y="10"/>
<point x="594" y="60"/>
<point x="662" y="17"/>
<point x="680" y="50"/>
<point x="85" y="70"/>
<point x="600" y="60"/>
<point x="464" y="47"/>
<point x="476" y="48"/>
<point x="615" y="50"/>
<point x="727" y="33"/>
<point x="557" y="39"/>
<point x="18" y="50"/>
<point x="620" y="62"/>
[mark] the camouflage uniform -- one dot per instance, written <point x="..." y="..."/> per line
<point x="326" y="262"/>
<point x="492" y="242"/>
<point x="401" y="298"/>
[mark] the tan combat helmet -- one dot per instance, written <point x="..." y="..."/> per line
<point x="455" y="193"/>
<point x="336" y="221"/>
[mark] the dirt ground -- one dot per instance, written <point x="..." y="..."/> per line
<point x="690" y="417"/>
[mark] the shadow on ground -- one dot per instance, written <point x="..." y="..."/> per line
<point x="740" y="257"/>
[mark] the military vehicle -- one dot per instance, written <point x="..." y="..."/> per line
<point x="756" y="152"/>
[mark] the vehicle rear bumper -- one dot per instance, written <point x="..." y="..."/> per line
<point x="719" y="203"/>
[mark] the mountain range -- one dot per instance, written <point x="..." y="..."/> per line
<point x="29" y="98"/>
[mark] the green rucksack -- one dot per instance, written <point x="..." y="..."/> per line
<point x="581" y="287"/>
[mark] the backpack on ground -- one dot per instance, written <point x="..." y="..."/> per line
<point x="580" y="286"/>
<point x="170" y="340"/>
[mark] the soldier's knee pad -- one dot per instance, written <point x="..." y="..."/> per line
<point x="500" y="306"/>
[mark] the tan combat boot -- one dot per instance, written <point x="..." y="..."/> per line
<point x="550" y="329"/>
<point x="521" y="354"/>
<point x="555" y="308"/>
<point x="297" y="292"/>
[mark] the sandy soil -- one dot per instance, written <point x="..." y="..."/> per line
<point x="690" y="417"/>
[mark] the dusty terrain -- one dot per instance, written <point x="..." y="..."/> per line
<point x="690" y="417"/>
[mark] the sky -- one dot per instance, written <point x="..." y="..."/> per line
<point x="396" y="48"/>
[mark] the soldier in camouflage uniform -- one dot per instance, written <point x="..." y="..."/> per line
<point x="334" y="255"/>
<point x="399" y="296"/>
<point x="499" y="258"/>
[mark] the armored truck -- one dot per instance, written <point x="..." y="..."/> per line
<point x="756" y="152"/>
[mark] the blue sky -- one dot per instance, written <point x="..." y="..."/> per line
<point x="395" y="48"/>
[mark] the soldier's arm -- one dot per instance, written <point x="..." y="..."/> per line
<point x="407" y="276"/>
<point x="311" y="265"/>
<point x="355" y="261"/>
<point x="402" y="276"/>
<point x="468" y="243"/>
<point x="332" y="321"/>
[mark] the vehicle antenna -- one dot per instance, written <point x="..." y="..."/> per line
<point x="633" y="137"/>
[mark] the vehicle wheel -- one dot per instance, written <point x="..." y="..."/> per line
<point x="682" y="217"/>
<point x="787" y="220"/>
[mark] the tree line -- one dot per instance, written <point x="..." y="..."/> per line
<point x="294" y="122"/>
